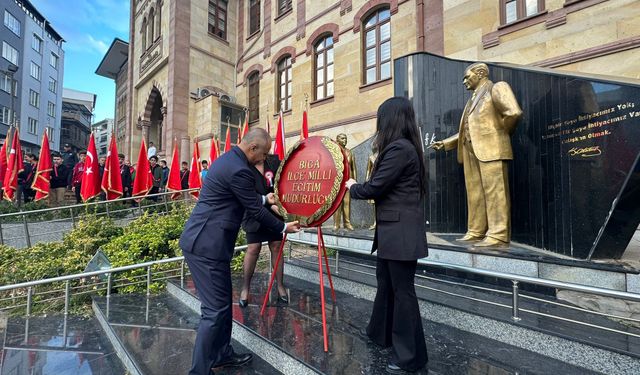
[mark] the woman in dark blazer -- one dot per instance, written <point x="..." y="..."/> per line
<point x="264" y="174"/>
<point x="397" y="185"/>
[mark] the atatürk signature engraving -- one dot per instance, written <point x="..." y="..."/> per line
<point x="585" y="152"/>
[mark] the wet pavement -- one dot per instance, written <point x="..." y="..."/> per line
<point x="158" y="335"/>
<point x="52" y="346"/>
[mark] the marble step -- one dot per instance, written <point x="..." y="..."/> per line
<point x="443" y="289"/>
<point x="559" y="355"/>
<point x="295" y="329"/>
<point x="155" y="335"/>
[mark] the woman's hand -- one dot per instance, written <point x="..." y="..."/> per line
<point x="350" y="182"/>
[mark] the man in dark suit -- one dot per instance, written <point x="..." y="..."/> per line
<point x="125" y="174"/>
<point x="208" y="243"/>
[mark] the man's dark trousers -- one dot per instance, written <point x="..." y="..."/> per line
<point x="214" y="330"/>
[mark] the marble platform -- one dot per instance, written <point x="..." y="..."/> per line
<point x="519" y="259"/>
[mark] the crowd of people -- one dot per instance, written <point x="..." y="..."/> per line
<point x="68" y="167"/>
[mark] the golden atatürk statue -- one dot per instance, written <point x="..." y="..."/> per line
<point x="484" y="148"/>
<point x="370" y="163"/>
<point x="344" y="210"/>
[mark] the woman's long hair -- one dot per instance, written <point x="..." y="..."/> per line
<point x="396" y="120"/>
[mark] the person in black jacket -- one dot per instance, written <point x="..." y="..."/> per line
<point x="25" y="179"/>
<point x="184" y="176"/>
<point x="397" y="185"/>
<point x="264" y="174"/>
<point x="59" y="181"/>
<point x="69" y="157"/>
<point x="125" y="174"/>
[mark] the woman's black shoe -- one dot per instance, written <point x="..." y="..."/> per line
<point x="243" y="303"/>
<point x="283" y="299"/>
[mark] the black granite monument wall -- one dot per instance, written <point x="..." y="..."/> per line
<point x="575" y="177"/>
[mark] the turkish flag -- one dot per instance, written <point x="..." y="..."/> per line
<point x="173" y="183"/>
<point x="14" y="166"/>
<point x="227" y="141"/>
<point x="304" y="133"/>
<point x="215" y="151"/>
<point x="91" y="176"/>
<point x="43" y="172"/>
<point x="144" y="179"/>
<point x="279" y="148"/>
<point x="3" y="156"/>
<point x="195" y="180"/>
<point x="111" y="178"/>
<point x="245" y="130"/>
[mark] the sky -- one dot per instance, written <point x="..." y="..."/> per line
<point x="89" y="27"/>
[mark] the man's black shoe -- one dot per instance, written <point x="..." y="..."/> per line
<point x="236" y="360"/>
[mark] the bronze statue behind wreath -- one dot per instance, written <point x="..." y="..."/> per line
<point x="484" y="148"/>
<point x="344" y="210"/>
<point x="370" y="163"/>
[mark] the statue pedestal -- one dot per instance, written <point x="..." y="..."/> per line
<point x="518" y="259"/>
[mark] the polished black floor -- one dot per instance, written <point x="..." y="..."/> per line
<point x="158" y="334"/>
<point x="296" y="328"/>
<point x="52" y="346"/>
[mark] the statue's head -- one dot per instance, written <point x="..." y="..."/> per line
<point x="342" y="139"/>
<point x="475" y="75"/>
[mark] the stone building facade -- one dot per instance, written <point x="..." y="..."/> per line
<point x="196" y="67"/>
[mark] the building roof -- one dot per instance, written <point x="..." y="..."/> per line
<point x="112" y="62"/>
<point x="79" y="97"/>
<point x="75" y="107"/>
<point x="31" y="10"/>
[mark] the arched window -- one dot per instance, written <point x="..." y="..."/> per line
<point x="254" y="16"/>
<point x="323" y="63"/>
<point x="158" y="20"/>
<point x="284" y="84"/>
<point x="151" y="26"/>
<point x="254" y="96"/>
<point x="377" y="46"/>
<point x="143" y="31"/>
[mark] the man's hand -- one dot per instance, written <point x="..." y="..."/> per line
<point x="73" y="188"/>
<point x="439" y="145"/>
<point x="293" y="227"/>
<point x="350" y="182"/>
<point x="271" y="198"/>
<point x="274" y="209"/>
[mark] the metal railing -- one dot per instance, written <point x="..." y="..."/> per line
<point x="514" y="294"/>
<point x="65" y="287"/>
<point x="25" y="228"/>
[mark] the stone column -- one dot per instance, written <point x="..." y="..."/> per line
<point x="185" y="149"/>
<point x="161" y="122"/>
<point x="145" y="125"/>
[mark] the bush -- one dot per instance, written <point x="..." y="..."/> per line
<point x="53" y="259"/>
<point x="148" y="238"/>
